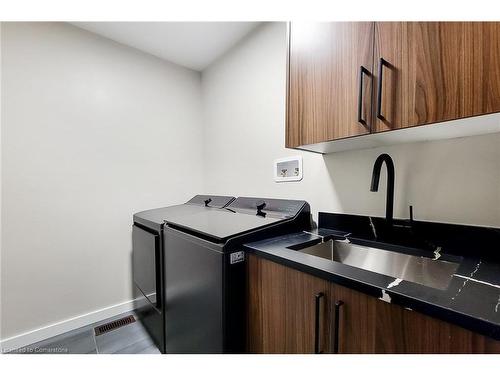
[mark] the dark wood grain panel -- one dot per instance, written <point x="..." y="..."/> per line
<point x="439" y="71"/>
<point x="281" y="309"/>
<point x="374" y="326"/>
<point x="424" y="334"/>
<point x="389" y="38"/>
<point x="434" y="74"/>
<point x="301" y="290"/>
<point x="356" y="329"/>
<point x="281" y="317"/>
<point x="482" y="60"/>
<point x="266" y="306"/>
<point x="323" y="81"/>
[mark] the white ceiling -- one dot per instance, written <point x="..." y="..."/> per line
<point x="191" y="44"/>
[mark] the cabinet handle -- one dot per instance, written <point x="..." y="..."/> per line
<point x="379" y="89"/>
<point x="338" y="304"/>
<point x="158" y="273"/>
<point x="317" y="298"/>
<point x="362" y="72"/>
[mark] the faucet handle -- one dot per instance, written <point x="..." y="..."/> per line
<point x="411" y="213"/>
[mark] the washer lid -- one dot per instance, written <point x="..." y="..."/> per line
<point x="243" y="215"/>
<point x="156" y="218"/>
<point x="221" y="224"/>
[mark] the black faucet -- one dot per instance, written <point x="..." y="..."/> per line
<point x="389" y="206"/>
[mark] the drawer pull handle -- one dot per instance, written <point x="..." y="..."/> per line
<point x="338" y="304"/>
<point x="381" y="64"/>
<point x="362" y="72"/>
<point x="317" y="299"/>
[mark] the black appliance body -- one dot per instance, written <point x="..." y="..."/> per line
<point x="190" y="268"/>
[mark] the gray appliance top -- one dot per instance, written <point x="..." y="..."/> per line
<point x="155" y="218"/>
<point x="220" y="221"/>
<point x="242" y="215"/>
<point x="221" y="224"/>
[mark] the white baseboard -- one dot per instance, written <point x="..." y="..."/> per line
<point x="42" y="333"/>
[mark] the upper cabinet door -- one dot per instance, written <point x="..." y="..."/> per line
<point x="435" y="76"/>
<point x="329" y="82"/>
<point x="483" y="68"/>
<point x="388" y="76"/>
<point x="435" y="71"/>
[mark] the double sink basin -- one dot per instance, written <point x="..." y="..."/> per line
<point x="418" y="266"/>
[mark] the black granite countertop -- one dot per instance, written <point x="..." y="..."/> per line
<point x="471" y="299"/>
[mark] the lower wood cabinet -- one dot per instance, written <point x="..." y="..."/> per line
<point x="354" y="330"/>
<point x="308" y="310"/>
<point x="266" y="306"/>
<point x="288" y="311"/>
<point x="293" y="312"/>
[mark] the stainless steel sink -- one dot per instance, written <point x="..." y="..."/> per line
<point x="421" y="270"/>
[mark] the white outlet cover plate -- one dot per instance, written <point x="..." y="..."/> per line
<point x="288" y="169"/>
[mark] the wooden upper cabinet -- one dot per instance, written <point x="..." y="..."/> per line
<point x="324" y="81"/>
<point x="352" y="78"/>
<point x="435" y="75"/>
<point x="483" y="67"/>
<point x="435" y="71"/>
<point x="388" y="64"/>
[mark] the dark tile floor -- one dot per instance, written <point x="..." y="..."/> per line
<point x="129" y="339"/>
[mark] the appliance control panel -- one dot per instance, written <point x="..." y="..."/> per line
<point x="214" y="201"/>
<point x="267" y="206"/>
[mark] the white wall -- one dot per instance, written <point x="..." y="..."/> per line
<point x="1" y="117"/>
<point x="92" y="131"/>
<point x="244" y="112"/>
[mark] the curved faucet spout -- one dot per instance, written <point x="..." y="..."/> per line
<point x="389" y="208"/>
